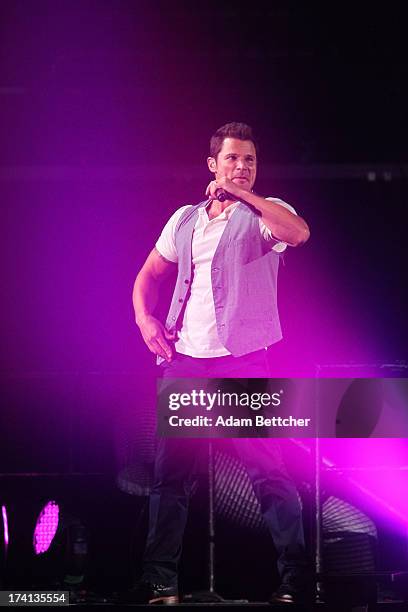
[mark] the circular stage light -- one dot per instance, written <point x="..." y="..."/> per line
<point x="46" y="527"/>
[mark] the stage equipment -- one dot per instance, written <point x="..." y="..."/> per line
<point x="338" y="492"/>
<point x="60" y="546"/>
<point x="48" y="547"/>
<point x="223" y="195"/>
<point x="4" y="542"/>
<point x="234" y="496"/>
<point x="211" y="595"/>
<point x="359" y="412"/>
<point x="46" y="527"/>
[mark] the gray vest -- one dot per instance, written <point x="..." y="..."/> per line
<point x="244" y="273"/>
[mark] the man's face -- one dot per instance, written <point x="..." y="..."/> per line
<point x="236" y="161"/>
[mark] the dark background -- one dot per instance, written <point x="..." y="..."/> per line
<point x="106" y="113"/>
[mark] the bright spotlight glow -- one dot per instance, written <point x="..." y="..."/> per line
<point x="5" y="526"/>
<point x="46" y="527"/>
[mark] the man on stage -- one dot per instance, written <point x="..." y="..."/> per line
<point x="222" y="321"/>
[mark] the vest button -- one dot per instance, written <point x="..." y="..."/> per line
<point x="180" y="300"/>
<point x="186" y="281"/>
<point x="173" y="318"/>
<point x="215" y="269"/>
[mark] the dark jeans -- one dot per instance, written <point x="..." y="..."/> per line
<point x="174" y="475"/>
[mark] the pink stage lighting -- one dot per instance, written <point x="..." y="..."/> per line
<point x="46" y="527"/>
<point x="5" y="527"/>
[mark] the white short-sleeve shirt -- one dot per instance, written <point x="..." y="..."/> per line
<point x="198" y="335"/>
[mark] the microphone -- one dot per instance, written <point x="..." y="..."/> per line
<point x="223" y="195"/>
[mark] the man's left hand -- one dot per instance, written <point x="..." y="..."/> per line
<point x="223" y="183"/>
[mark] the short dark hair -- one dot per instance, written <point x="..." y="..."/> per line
<point x="242" y="131"/>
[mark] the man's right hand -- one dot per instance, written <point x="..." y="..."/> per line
<point x="156" y="336"/>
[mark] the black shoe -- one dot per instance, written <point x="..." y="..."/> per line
<point x="286" y="594"/>
<point x="148" y="593"/>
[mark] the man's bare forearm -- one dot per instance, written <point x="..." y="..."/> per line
<point x="284" y="224"/>
<point x="145" y="296"/>
<point x="146" y="288"/>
